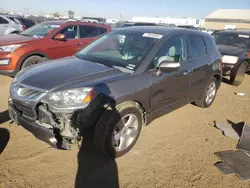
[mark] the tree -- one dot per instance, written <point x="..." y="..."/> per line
<point x="71" y="14"/>
<point x="56" y="14"/>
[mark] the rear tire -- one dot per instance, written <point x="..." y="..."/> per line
<point x="108" y="124"/>
<point x="237" y="78"/>
<point x="209" y="95"/>
<point x="32" y="60"/>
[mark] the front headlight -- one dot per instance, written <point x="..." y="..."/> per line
<point x="69" y="99"/>
<point x="229" y="59"/>
<point x="10" y="48"/>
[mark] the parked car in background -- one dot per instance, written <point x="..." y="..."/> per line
<point x="24" y="22"/>
<point x="131" y="24"/>
<point x="44" y="41"/>
<point x="188" y="27"/>
<point x="234" y="45"/>
<point x="117" y="86"/>
<point x="9" y="26"/>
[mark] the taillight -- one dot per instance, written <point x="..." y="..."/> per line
<point x="24" y="27"/>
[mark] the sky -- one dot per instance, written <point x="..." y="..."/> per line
<point x="125" y="9"/>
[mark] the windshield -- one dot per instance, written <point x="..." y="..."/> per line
<point x="123" y="50"/>
<point x="40" y="30"/>
<point x="233" y="39"/>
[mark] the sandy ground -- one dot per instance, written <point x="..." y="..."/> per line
<point x="176" y="150"/>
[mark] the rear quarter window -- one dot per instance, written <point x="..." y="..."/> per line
<point x="197" y="46"/>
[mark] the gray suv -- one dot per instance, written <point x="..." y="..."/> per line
<point x="116" y="86"/>
<point x="9" y="26"/>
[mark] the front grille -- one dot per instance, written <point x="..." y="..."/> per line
<point x="27" y="93"/>
<point x="26" y="110"/>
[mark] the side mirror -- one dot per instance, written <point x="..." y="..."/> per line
<point x="169" y="66"/>
<point x="60" y="37"/>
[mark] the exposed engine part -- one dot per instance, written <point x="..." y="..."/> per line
<point x="46" y="117"/>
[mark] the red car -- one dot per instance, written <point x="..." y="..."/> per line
<point x="48" y="40"/>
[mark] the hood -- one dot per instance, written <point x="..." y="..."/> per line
<point x="65" y="73"/>
<point x="15" y="39"/>
<point x="231" y="50"/>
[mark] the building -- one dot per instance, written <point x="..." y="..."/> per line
<point x="168" y="20"/>
<point x="228" y="18"/>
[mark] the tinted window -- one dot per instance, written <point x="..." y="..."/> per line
<point x="197" y="47"/>
<point x="102" y="30"/>
<point x="173" y="50"/>
<point x="88" y="31"/>
<point x="70" y="32"/>
<point x="3" y="21"/>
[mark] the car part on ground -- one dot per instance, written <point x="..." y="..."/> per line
<point x="234" y="45"/>
<point x="235" y="162"/>
<point x="48" y="40"/>
<point x="93" y="88"/>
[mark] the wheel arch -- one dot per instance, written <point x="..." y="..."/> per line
<point x="37" y="53"/>
<point x="218" y="77"/>
<point x="140" y="107"/>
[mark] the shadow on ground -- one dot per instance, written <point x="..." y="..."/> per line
<point x="4" y="139"/>
<point x="4" y="116"/>
<point x="226" y="81"/>
<point x="94" y="169"/>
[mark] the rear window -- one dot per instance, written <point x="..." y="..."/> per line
<point x="26" y="22"/>
<point x="197" y="46"/>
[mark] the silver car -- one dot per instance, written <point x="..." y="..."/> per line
<point x="8" y="26"/>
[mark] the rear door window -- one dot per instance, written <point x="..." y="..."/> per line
<point x="88" y="31"/>
<point x="196" y="46"/>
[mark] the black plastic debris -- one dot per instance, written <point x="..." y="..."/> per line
<point x="234" y="162"/>
<point x="238" y="161"/>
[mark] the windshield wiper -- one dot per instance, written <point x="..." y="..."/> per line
<point x="94" y="60"/>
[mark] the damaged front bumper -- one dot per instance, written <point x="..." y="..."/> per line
<point x="60" y="129"/>
<point x="54" y="129"/>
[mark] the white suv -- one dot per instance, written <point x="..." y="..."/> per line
<point x="8" y="26"/>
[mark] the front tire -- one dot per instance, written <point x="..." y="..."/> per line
<point x="237" y="78"/>
<point x="32" y="60"/>
<point x="209" y="95"/>
<point x="118" y="129"/>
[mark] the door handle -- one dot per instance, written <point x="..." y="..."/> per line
<point x="188" y="72"/>
<point x="79" y="43"/>
<point x="6" y="26"/>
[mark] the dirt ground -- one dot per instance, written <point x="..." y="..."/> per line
<point x="176" y="150"/>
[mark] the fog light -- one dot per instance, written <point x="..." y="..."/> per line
<point x="4" y="61"/>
